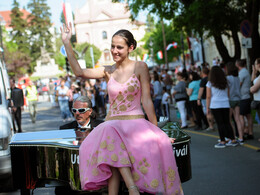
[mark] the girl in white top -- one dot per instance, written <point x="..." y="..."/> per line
<point x="256" y="83"/>
<point x="218" y="104"/>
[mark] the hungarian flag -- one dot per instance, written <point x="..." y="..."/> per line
<point x="68" y="15"/>
<point x="159" y="55"/>
<point x="145" y="57"/>
<point x="173" y="44"/>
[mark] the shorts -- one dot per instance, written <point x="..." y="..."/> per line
<point x="234" y="104"/>
<point x="245" y="107"/>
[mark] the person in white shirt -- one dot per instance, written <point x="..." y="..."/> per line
<point x="165" y="103"/>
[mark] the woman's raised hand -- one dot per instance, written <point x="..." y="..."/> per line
<point x="66" y="33"/>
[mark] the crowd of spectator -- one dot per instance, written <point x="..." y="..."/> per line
<point x="207" y="98"/>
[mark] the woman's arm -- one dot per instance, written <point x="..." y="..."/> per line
<point x="255" y="87"/>
<point x="253" y="76"/>
<point x="77" y="70"/>
<point x="147" y="103"/>
<point x="208" y="92"/>
<point x="189" y="91"/>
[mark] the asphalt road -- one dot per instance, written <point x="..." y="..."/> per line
<point x="228" y="171"/>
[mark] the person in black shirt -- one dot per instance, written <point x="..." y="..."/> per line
<point x="202" y="97"/>
<point x="17" y="107"/>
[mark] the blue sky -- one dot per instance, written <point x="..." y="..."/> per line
<point x="55" y="6"/>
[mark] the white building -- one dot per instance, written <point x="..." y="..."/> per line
<point x="98" y="20"/>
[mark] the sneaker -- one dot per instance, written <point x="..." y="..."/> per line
<point x="209" y="129"/>
<point x="220" y="145"/>
<point x="226" y="139"/>
<point x="230" y="143"/>
<point x="240" y="141"/>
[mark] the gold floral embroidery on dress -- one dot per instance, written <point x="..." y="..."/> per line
<point x="176" y="192"/>
<point x="125" y="91"/>
<point x="108" y="137"/>
<point x="120" y="97"/>
<point x="143" y="170"/>
<point x="95" y="172"/>
<point x="154" y="183"/>
<point x="124" y="161"/>
<point x="122" y="145"/>
<point x="103" y="144"/>
<point x="171" y="174"/>
<point x="94" y="160"/>
<point x="131" y="89"/>
<point x="114" y="157"/>
<point x="111" y="147"/>
<point x="136" y="176"/>
<point x="146" y="185"/>
<point x="170" y="186"/>
<point x="122" y="108"/>
<point x="147" y="164"/>
<point x="128" y="83"/>
<point x="130" y="98"/>
<point x="100" y="159"/>
<point x="114" y="105"/>
<point x="140" y="162"/>
<point x="132" y="159"/>
<point x="131" y="81"/>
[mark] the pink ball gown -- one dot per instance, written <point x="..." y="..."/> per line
<point x="126" y="139"/>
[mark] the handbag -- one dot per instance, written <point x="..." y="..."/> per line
<point x="255" y="105"/>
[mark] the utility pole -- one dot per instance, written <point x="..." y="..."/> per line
<point x="164" y="45"/>
<point x="182" y="48"/>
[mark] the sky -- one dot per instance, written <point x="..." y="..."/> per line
<point x="55" y="6"/>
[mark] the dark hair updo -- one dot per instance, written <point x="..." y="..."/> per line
<point x="127" y="36"/>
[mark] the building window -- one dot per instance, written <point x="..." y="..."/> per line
<point x="104" y="34"/>
<point x="107" y="55"/>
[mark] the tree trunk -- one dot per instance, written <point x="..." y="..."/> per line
<point x="237" y="46"/>
<point x="253" y="13"/>
<point x="222" y="48"/>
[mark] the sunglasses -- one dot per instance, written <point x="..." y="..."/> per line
<point x="80" y="110"/>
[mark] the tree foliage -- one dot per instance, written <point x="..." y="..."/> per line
<point x="215" y="17"/>
<point x="17" y="49"/>
<point x="80" y="48"/>
<point x="39" y="27"/>
<point x="156" y="42"/>
<point x="19" y="25"/>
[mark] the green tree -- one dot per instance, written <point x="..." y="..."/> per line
<point x="83" y="51"/>
<point x="217" y="17"/>
<point x="171" y="35"/>
<point x="39" y="27"/>
<point x="19" y="28"/>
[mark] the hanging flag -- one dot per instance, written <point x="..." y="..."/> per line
<point x="169" y="46"/>
<point x="173" y="44"/>
<point x="68" y="15"/>
<point x="145" y="57"/>
<point x="159" y="55"/>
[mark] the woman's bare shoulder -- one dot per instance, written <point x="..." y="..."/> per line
<point x="141" y="67"/>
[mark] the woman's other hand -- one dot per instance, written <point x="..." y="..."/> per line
<point x="66" y="33"/>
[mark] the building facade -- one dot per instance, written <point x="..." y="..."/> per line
<point x="98" y="20"/>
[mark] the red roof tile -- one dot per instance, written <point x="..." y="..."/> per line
<point x="7" y="16"/>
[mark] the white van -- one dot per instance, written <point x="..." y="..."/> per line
<point x="6" y="125"/>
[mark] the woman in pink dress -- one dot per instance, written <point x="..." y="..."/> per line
<point x="125" y="145"/>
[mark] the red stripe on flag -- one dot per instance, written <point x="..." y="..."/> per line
<point x="64" y="12"/>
